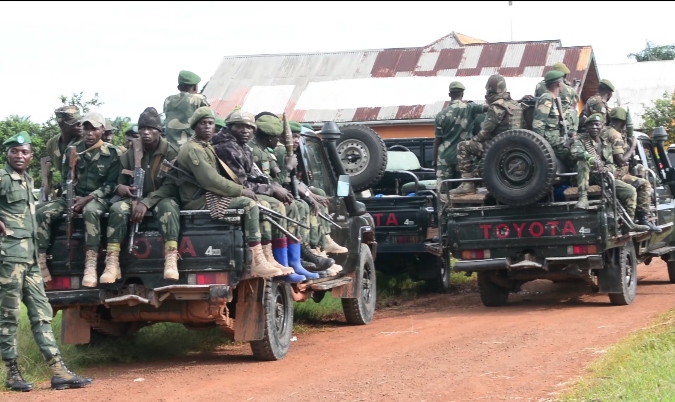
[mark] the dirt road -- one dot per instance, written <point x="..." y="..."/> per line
<point x="437" y="348"/>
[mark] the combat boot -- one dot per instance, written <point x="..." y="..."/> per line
<point x="112" y="270"/>
<point x="15" y="381"/>
<point x="467" y="187"/>
<point x="63" y="378"/>
<point x="259" y="265"/>
<point x="89" y="279"/>
<point x="334" y="269"/>
<point x="318" y="252"/>
<point x="321" y="263"/>
<point x="582" y="203"/>
<point x="642" y="219"/>
<point x="639" y="228"/>
<point x="333" y="248"/>
<point x="269" y="256"/>
<point x="171" y="263"/>
<point x="44" y="271"/>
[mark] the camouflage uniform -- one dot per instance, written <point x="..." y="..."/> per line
<point x="569" y="100"/>
<point x="96" y="173"/>
<point x="319" y="228"/>
<point x="20" y="278"/>
<point x="56" y="149"/>
<point x="594" y="104"/>
<point x="177" y="110"/>
<point x="546" y="123"/>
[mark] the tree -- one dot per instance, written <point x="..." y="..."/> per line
<point x="76" y="99"/>
<point x="661" y="113"/>
<point x="654" y="53"/>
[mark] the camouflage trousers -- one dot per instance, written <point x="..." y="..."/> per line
<point x="299" y="211"/>
<point x="319" y="227"/>
<point x="446" y="171"/>
<point x="167" y="213"/>
<point x="251" y="218"/>
<point x="644" y="193"/>
<point x="270" y="232"/>
<point x="23" y="282"/>
<point x="624" y="192"/>
<point x="52" y="212"/>
<point x="467" y="151"/>
<point x="559" y="149"/>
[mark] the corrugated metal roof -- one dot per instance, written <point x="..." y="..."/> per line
<point x="386" y="84"/>
<point x="639" y="84"/>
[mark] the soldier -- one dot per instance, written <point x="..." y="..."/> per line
<point x="198" y="158"/>
<point x="165" y="208"/>
<point x="109" y="133"/>
<point x="503" y="114"/>
<point x="598" y="102"/>
<point x="453" y="125"/>
<point x="178" y="108"/>
<point x="131" y="133"/>
<point x="568" y="97"/>
<point x="20" y="279"/>
<point x="593" y="151"/>
<point x="546" y="120"/>
<point x="97" y="168"/>
<point x="68" y="119"/>
<point x="220" y="124"/>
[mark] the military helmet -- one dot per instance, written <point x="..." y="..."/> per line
<point x="496" y="84"/>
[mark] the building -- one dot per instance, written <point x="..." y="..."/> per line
<point x="397" y="92"/>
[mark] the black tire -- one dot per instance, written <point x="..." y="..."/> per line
<point x="525" y="150"/>
<point x="363" y="155"/>
<point x="440" y="283"/>
<point x="277" y="315"/>
<point x="671" y="271"/>
<point x="625" y="257"/>
<point x="360" y="310"/>
<point x="491" y="294"/>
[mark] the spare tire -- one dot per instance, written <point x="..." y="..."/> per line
<point x="363" y="155"/>
<point x="519" y="167"/>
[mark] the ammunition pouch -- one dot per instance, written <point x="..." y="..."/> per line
<point x="217" y="204"/>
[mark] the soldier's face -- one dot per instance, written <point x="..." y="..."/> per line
<point x="19" y="157"/>
<point x="594" y="128"/>
<point x="273" y="141"/>
<point x="149" y="135"/>
<point x="204" y="129"/>
<point x="74" y="130"/>
<point x="242" y="132"/>
<point x="107" y="136"/>
<point x="296" y="141"/>
<point x="92" y="134"/>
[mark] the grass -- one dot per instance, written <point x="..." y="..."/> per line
<point x="639" y="368"/>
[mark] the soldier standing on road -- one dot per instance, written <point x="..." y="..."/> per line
<point x="593" y="151"/>
<point x="97" y="168"/>
<point x="568" y="97"/>
<point x="453" y="125"/>
<point x="180" y="107"/>
<point x="503" y="114"/>
<point x="165" y="208"/>
<point x="598" y="102"/>
<point x="20" y="278"/>
<point x="546" y="121"/>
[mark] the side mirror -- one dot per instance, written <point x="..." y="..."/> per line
<point x="343" y="185"/>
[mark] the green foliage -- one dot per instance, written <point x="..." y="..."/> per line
<point x="654" y="53"/>
<point x="661" y="113"/>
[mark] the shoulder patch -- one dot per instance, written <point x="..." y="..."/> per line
<point x="193" y="157"/>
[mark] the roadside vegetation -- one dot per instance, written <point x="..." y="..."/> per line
<point x="639" y="368"/>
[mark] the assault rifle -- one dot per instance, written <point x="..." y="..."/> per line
<point x="138" y="175"/>
<point x="46" y="171"/>
<point x="70" y="199"/>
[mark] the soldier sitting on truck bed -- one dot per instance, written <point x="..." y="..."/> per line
<point x="96" y="171"/>
<point x="593" y="150"/>
<point x="69" y="120"/>
<point x="165" y="208"/>
<point x="598" y="103"/>
<point x="198" y="158"/>
<point x="503" y="114"/>
<point x="568" y="97"/>
<point x="230" y="147"/>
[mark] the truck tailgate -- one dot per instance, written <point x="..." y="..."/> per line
<point x="401" y="223"/>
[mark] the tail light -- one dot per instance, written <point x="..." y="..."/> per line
<point x="582" y="249"/>
<point x="475" y="254"/>
<point x="64" y="283"/>
<point x="208" y="279"/>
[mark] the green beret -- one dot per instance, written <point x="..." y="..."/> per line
<point x="295" y="127"/>
<point x="309" y="126"/>
<point x="199" y="114"/>
<point x="220" y="122"/>
<point x="618" y="113"/>
<point x="270" y="125"/>
<point x="608" y="84"/>
<point x="561" y="67"/>
<point x="456" y="86"/>
<point x="188" y="78"/>
<point x="553" y="76"/>
<point x="17" y="139"/>
<point x="595" y="117"/>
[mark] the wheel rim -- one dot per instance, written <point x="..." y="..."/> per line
<point x="366" y="285"/>
<point x="354" y="156"/>
<point x="280" y="312"/>
<point x="516" y="168"/>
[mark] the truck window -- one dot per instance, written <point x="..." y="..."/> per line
<point x="651" y="162"/>
<point x="318" y="165"/>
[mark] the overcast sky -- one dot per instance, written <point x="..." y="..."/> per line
<point x="131" y="52"/>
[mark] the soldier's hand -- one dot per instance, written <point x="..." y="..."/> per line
<point x="282" y="194"/>
<point x="3" y="230"/>
<point x="81" y="202"/>
<point x="125" y="191"/>
<point x="321" y="199"/>
<point x="139" y="212"/>
<point x="291" y="162"/>
<point x="247" y="192"/>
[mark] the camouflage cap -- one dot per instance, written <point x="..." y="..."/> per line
<point x="618" y="113"/>
<point x="199" y="114"/>
<point x="295" y="127"/>
<point x="607" y="84"/>
<point x="17" y="139"/>
<point x="496" y="84"/>
<point x="188" y="78"/>
<point x="150" y="118"/>
<point x="456" y="86"/>
<point x="240" y="117"/>
<point x="270" y="125"/>
<point x="595" y="117"/>
<point x="561" y="67"/>
<point x="96" y="119"/>
<point x="68" y="114"/>
<point x="553" y="76"/>
<point x="108" y="125"/>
